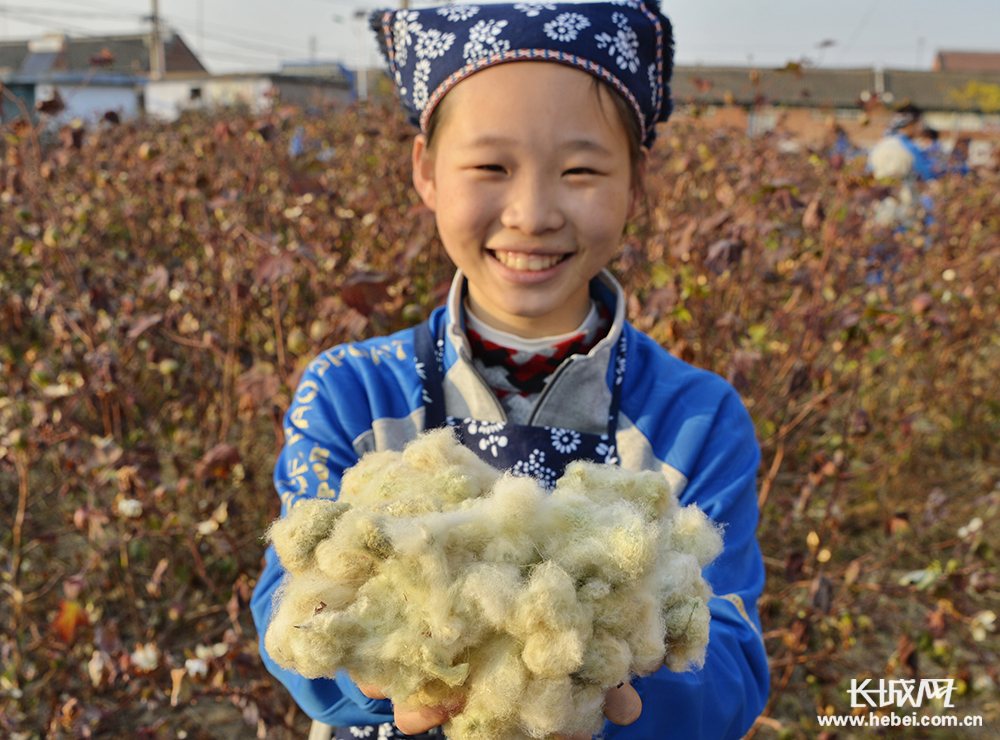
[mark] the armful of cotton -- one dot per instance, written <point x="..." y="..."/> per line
<point x="443" y="581"/>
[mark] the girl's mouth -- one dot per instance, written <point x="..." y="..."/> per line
<point x="524" y="262"/>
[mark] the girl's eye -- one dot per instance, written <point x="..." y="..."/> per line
<point x="500" y="169"/>
<point x="581" y="171"/>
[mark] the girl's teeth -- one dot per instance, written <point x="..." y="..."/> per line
<point x="528" y="262"/>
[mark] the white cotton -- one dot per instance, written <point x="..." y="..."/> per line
<point x="440" y="579"/>
<point x="890" y="158"/>
<point x="693" y="532"/>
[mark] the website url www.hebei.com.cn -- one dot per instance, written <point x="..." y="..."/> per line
<point x="894" y="720"/>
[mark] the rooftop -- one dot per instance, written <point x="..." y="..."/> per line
<point x="833" y="88"/>
<point x="115" y="54"/>
<point x="968" y="61"/>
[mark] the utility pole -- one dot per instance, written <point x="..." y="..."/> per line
<point x="157" y="58"/>
<point x="361" y="90"/>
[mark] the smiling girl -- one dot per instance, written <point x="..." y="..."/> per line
<point x="534" y="120"/>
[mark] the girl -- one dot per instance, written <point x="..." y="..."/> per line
<point x="535" y="119"/>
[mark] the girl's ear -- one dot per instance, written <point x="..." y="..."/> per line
<point x="423" y="172"/>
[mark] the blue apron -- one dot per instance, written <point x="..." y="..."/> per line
<point x="539" y="452"/>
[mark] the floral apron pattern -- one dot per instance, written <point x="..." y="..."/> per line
<point x="537" y="451"/>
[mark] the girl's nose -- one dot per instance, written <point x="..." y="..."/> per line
<point x="532" y="206"/>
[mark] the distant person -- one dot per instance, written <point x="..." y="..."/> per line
<point x="929" y="141"/>
<point x="957" y="162"/>
<point x="896" y="155"/>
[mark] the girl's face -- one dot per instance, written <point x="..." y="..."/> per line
<point x="531" y="183"/>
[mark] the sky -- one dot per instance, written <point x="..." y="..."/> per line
<point x="259" y="35"/>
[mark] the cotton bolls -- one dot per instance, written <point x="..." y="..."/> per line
<point x="890" y="158"/>
<point x="437" y="578"/>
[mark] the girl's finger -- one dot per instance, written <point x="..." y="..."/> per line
<point x="415" y="720"/>
<point x="622" y="705"/>
<point x="372" y="692"/>
<point x="421" y="719"/>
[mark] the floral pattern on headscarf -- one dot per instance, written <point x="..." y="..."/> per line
<point x="626" y="43"/>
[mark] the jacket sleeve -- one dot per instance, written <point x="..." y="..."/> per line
<point x="721" y="700"/>
<point x="318" y="448"/>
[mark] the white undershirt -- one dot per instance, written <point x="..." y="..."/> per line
<point x="522" y="344"/>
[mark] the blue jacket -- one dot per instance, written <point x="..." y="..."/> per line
<point x="685" y="422"/>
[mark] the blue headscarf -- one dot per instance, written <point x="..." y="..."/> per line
<point x="626" y="43"/>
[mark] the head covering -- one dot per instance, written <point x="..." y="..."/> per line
<point x="626" y="43"/>
<point x="906" y="113"/>
<point x="899" y="122"/>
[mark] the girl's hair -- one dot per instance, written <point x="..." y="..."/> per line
<point x="633" y="130"/>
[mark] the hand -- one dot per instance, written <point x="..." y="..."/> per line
<point x="622" y="706"/>
<point x="412" y="720"/>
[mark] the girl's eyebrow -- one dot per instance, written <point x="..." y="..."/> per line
<point x="573" y="145"/>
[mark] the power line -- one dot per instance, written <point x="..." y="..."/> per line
<point x="235" y="57"/>
<point x="90" y="5"/>
<point x="47" y="25"/>
<point x="250" y="35"/>
<point x="861" y="27"/>
<point x="27" y="9"/>
<point x="242" y="43"/>
<point x="47" y="21"/>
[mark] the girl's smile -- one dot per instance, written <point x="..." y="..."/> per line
<point x="530" y="178"/>
<point x="526" y="261"/>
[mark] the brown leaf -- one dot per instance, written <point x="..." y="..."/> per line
<point x="711" y="223"/>
<point x="363" y="291"/>
<point x="661" y="301"/>
<point x="157" y="281"/>
<point x="852" y="572"/>
<point x="222" y="132"/>
<point x="936" y="623"/>
<point x="268" y="131"/>
<point x="273" y="268"/>
<point x="897" y="524"/>
<point x="801" y="379"/>
<point x="906" y="653"/>
<point x="724" y="253"/>
<point x="153" y="586"/>
<point x="812" y="219"/>
<point x="821" y="594"/>
<point x="725" y="195"/>
<point x="982" y="580"/>
<point x="940" y="318"/>
<point x="71" y="615"/>
<point x="798" y="638"/>
<point x="302" y="183"/>
<point x="861" y="423"/>
<point x="256" y="387"/>
<point x="144" y="323"/>
<point x="177" y="685"/>
<point x="71" y="137"/>
<point x="682" y="349"/>
<point x="794" y="562"/>
<point x="218" y="462"/>
<point x="53" y="106"/>
<point x="682" y="249"/>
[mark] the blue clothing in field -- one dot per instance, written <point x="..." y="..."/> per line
<point x="923" y="165"/>
<point x="687" y="423"/>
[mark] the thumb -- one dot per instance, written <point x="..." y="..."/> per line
<point x="622" y="705"/>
